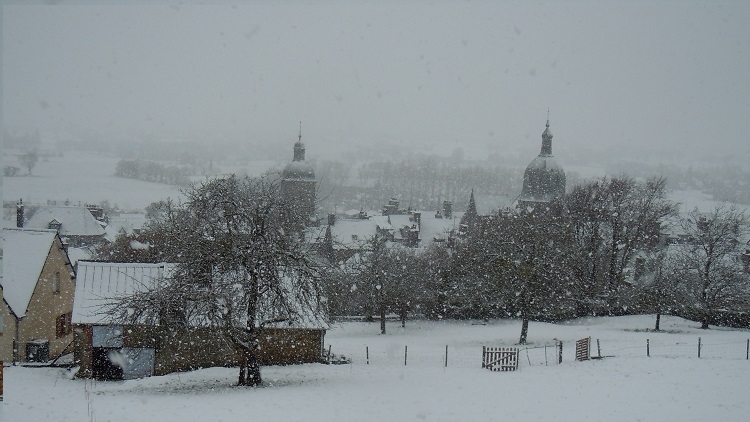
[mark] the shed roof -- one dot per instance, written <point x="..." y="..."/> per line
<point x="25" y="252"/>
<point x="101" y="283"/>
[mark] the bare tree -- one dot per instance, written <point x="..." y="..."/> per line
<point x="658" y="284"/>
<point x="711" y="262"/>
<point x="613" y="220"/>
<point x="29" y="160"/>
<point x="237" y="269"/>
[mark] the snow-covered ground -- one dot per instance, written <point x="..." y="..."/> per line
<point x="83" y="177"/>
<point x="673" y="384"/>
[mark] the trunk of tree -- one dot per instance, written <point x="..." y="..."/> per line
<point x="403" y="318"/>
<point x="704" y="293"/>
<point x="250" y="364"/>
<point x="524" y="320"/>
<point x="382" y="319"/>
<point x="658" y="319"/>
<point x="524" y="330"/>
<point x="613" y="274"/>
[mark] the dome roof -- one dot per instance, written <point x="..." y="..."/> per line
<point x="544" y="178"/>
<point x="298" y="170"/>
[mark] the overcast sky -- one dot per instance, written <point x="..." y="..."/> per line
<point x="480" y="75"/>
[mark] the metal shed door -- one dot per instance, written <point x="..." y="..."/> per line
<point x="137" y="362"/>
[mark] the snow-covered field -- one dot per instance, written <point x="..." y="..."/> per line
<point x="86" y="178"/>
<point x="671" y="385"/>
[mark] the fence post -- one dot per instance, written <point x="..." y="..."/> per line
<point x="598" y="348"/>
<point x="747" y="351"/>
<point x="405" y="349"/>
<point x="367" y="353"/>
<point x="484" y="353"/>
<point x="545" y="355"/>
<point x="699" y="347"/>
<point x="648" y="348"/>
<point x="446" y="355"/>
<point x="559" y="356"/>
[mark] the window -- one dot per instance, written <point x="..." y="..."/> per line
<point x="63" y="325"/>
<point x="56" y="283"/>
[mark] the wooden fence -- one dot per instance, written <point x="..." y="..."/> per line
<point x="583" y="349"/>
<point x="500" y="358"/>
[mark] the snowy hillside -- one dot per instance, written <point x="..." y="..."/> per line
<point x="673" y="384"/>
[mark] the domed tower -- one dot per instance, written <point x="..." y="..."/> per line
<point x="298" y="185"/>
<point x="544" y="179"/>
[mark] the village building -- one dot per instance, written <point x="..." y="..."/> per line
<point x="37" y="286"/>
<point x="107" y="349"/>
<point x="544" y="178"/>
<point x="76" y="225"/>
<point x="347" y="233"/>
<point x="298" y="187"/>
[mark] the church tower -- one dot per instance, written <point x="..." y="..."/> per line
<point x="544" y="179"/>
<point x="298" y="186"/>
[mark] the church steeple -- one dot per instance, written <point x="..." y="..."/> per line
<point x="546" y="140"/>
<point x="299" y="147"/>
<point x="470" y="217"/>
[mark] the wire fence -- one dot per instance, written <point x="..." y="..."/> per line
<point x="435" y="356"/>
<point x="695" y="348"/>
<point x="538" y="355"/>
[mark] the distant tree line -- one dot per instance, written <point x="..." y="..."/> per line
<point x="422" y="183"/>
<point x="150" y="171"/>
<point x="729" y="183"/>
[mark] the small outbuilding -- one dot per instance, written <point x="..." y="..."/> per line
<point x="105" y="349"/>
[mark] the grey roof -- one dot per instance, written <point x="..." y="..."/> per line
<point x="298" y="170"/>
<point x="75" y="221"/>
<point x="544" y="179"/>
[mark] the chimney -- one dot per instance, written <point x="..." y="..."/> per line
<point x="418" y="219"/>
<point x="19" y="213"/>
<point x="447" y="209"/>
<point x="331" y="219"/>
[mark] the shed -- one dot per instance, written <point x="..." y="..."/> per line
<point x="106" y="349"/>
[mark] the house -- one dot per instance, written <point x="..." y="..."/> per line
<point x="37" y="285"/>
<point x="347" y="233"/>
<point x="105" y="349"/>
<point x="124" y="224"/>
<point x="76" y="225"/>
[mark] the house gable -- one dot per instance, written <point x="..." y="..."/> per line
<point x="25" y="254"/>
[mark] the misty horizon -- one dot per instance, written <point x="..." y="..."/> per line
<point x="478" y="78"/>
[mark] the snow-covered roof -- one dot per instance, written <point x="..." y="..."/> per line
<point x="79" y="254"/>
<point x="124" y="224"/>
<point x="25" y="252"/>
<point x="352" y="233"/>
<point x="432" y="228"/>
<point x="101" y="283"/>
<point x="75" y="221"/>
